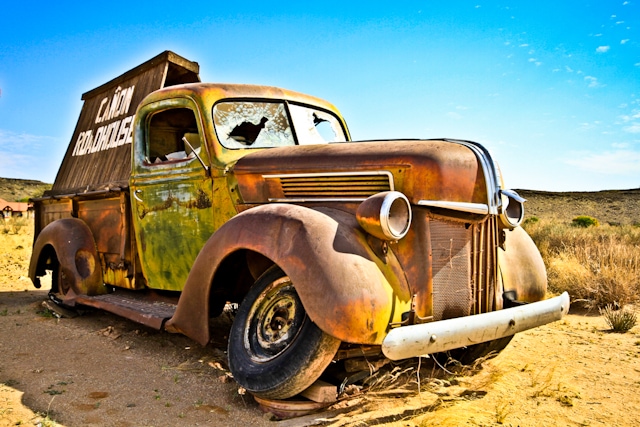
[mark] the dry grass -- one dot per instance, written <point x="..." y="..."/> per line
<point x="596" y="265"/>
<point x="16" y="240"/>
<point x="619" y="320"/>
<point x="18" y="226"/>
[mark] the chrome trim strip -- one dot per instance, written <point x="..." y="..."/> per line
<point x="476" y="208"/>
<point x="513" y="195"/>
<point x="388" y="174"/>
<point x="488" y="168"/>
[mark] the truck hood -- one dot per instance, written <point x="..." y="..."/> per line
<point x="424" y="170"/>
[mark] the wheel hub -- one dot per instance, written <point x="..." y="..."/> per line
<point x="275" y="321"/>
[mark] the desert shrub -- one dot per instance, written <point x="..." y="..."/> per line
<point x="597" y="266"/>
<point x="585" y="221"/>
<point x="15" y="225"/>
<point x="618" y="320"/>
<point x="531" y="220"/>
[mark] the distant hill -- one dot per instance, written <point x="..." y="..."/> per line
<point x="614" y="207"/>
<point x="19" y="190"/>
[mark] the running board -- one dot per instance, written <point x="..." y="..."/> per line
<point x="143" y="309"/>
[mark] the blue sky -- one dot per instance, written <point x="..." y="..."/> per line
<point x="551" y="88"/>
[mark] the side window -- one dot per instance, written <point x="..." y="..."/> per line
<point x="315" y="126"/>
<point x="172" y="136"/>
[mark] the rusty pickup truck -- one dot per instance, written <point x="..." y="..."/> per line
<point x="177" y="199"/>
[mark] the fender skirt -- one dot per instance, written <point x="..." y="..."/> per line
<point x="75" y="249"/>
<point x="346" y="290"/>
<point x="524" y="276"/>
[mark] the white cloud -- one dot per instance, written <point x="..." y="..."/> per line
<point x="535" y="61"/>
<point x="524" y="45"/>
<point x="603" y="49"/>
<point x="593" y="81"/>
<point x="22" y="154"/>
<point x="454" y="115"/>
<point x="23" y="141"/>
<point x="620" y="162"/>
<point x="635" y="114"/>
<point x="624" y="41"/>
<point x="634" y="128"/>
<point x="569" y="69"/>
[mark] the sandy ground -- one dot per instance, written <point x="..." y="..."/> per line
<point x="100" y="370"/>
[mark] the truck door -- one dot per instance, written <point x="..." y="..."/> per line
<point x="171" y="191"/>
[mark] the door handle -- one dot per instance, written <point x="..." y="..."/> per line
<point x="135" y="195"/>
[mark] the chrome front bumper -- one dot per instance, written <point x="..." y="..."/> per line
<point x="427" y="338"/>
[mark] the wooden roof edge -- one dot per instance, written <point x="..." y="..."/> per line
<point x="166" y="56"/>
<point x="87" y="190"/>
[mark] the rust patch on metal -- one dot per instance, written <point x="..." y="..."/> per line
<point x="202" y="201"/>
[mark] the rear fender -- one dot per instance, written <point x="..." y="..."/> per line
<point x="346" y="290"/>
<point x="70" y="240"/>
<point x="521" y="267"/>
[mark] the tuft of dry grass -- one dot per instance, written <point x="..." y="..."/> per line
<point x="619" y="320"/>
<point x="596" y="265"/>
<point x="16" y="225"/>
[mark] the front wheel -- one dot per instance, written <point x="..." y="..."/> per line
<point x="275" y="350"/>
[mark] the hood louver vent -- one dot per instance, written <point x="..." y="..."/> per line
<point x="332" y="186"/>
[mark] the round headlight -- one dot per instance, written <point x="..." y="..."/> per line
<point x="385" y="215"/>
<point x="512" y="210"/>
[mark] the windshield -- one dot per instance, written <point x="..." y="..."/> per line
<point x="263" y="124"/>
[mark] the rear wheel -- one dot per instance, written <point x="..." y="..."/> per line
<point x="275" y="350"/>
<point x="60" y="286"/>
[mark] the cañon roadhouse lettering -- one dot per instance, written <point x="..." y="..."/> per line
<point x="110" y="135"/>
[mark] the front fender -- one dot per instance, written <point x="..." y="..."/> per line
<point x="345" y="289"/>
<point x="75" y="249"/>
<point x="521" y="267"/>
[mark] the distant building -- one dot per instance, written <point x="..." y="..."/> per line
<point x="15" y="209"/>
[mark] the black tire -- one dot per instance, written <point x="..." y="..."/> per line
<point x="275" y="350"/>
<point x="59" y="286"/>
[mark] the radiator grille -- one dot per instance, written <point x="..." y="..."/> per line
<point x="334" y="186"/>
<point x="464" y="268"/>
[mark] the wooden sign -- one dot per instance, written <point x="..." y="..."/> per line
<point x="99" y="154"/>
